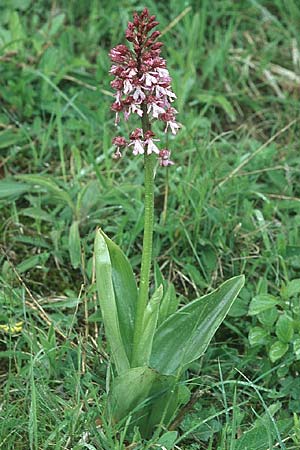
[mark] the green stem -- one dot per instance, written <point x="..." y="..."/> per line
<point x="149" y="162"/>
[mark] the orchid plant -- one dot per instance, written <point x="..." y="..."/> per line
<point x="151" y="339"/>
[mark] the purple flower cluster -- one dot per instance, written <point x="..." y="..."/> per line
<point x="143" y="87"/>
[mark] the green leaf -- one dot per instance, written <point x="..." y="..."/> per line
<point x="17" y="32"/>
<point x="240" y="308"/>
<point x="33" y="261"/>
<point x="9" y="138"/>
<point x="158" y="276"/>
<point x="108" y="303"/>
<point x="263" y="229"/>
<point x="218" y="100"/>
<point x="296" y="345"/>
<point x="185" y="335"/>
<point x="168" y="439"/>
<point x="56" y="23"/>
<point x="262" y="302"/>
<point x="12" y="189"/>
<point x="169" y="304"/>
<point x="17" y="4"/>
<point x="227" y="106"/>
<point x="50" y="186"/>
<point x="269" y="317"/>
<point x="38" y="214"/>
<point x="74" y="245"/>
<point x="257" y="336"/>
<point x="147" y="396"/>
<point x="292" y="251"/>
<point x="35" y="241"/>
<point x="284" y="328"/>
<point x="277" y="350"/>
<point x="125" y="292"/>
<point x="292" y="288"/>
<point x="258" y="436"/>
<point x="87" y="199"/>
<point x="149" y="327"/>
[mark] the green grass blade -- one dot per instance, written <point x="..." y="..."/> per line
<point x="12" y="189"/>
<point x="74" y="245"/>
<point x="50" y="185"/>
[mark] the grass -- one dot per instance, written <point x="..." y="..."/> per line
<point x="232" y="207"/>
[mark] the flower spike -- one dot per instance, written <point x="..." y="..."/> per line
<point x="142" y="85"/>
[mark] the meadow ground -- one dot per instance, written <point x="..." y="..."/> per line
<point x="229" y="205"/>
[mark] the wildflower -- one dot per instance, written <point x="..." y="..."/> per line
<point x="155" y="106"/>
<point x="142" y="84"/>
<point x="17" y="328"/>
<point x="164" y="158"/>
<point x="119" y="142"/>
<point x="139" y="95"/>
<point x="149" y="141"/>
<point x="169" y="117"/>
<point x="137" y="142"/>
